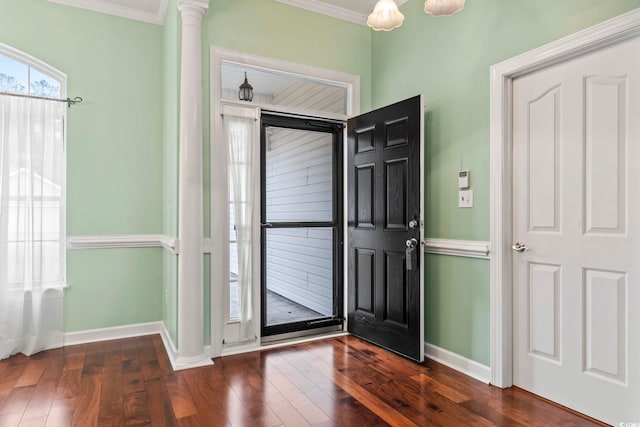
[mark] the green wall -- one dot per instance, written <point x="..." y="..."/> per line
<point x="170" y="120"/>
<point x="112" y="287"/>
<point x="114" y="159"/>
<point x="447" y="59"/>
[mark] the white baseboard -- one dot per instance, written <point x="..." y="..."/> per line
<point x="169" y="346"/>
<point x="139" y="330"/>
<point x="459" y="363"/>
<point x="176" y="363"/>
<point x="114" y="333"/>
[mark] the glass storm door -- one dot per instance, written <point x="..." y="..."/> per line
<point x="301" y="223"/>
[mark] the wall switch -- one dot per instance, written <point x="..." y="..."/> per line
<point x="463" y="179"/>
<point x="465" y="199"/>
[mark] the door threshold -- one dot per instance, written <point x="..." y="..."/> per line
<point x="288" y="336"/>
<point x="285" y="342"/>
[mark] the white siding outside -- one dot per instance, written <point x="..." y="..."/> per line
<point x="299" y="188"/>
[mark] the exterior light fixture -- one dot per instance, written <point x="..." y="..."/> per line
<point x="385" y="16"/>
<point x="443" y="7"/>
<point x="246" y="90"/>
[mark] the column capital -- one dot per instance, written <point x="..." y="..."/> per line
<point x="201" y="5"/>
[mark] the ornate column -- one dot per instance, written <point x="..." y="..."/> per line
<point x="190" y="202"/>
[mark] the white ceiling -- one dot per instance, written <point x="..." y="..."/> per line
<point x="153" y="11"/>
<point x="264" y="82"/>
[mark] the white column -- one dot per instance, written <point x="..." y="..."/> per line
<point x="190" y="202"/>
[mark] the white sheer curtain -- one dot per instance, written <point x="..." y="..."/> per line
<point x="32" y="252"/>
<point x="239" y="133"/>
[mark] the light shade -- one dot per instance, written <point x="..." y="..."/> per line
<point x="385" y="16"/>
<point x="443" y="7"/>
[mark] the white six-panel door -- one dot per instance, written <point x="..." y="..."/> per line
<point x="576" y="208"/>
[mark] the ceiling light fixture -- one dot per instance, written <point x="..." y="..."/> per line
<point x="443" y="7"/>
<point x="246" y="90"/>
<point x="385" y="16"/>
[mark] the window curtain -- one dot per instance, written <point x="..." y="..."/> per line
<point x="239" y="133"/>
<point x="32" y="252"/>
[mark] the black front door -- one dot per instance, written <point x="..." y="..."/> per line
<point x="384" y="221"/>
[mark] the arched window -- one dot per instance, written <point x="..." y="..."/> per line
<point x="24" y="74"/>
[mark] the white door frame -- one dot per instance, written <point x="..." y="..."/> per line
<point x="219" y="185"/>
<point x="502" y="75"/>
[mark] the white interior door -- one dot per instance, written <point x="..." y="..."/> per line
<point x="576" y="207"/>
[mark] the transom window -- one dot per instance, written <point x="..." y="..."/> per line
<point x="17" y="76"/>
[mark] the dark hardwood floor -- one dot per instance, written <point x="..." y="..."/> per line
<point x="341" y="381"/>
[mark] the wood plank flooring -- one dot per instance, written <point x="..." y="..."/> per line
<point x="336" y="382"/>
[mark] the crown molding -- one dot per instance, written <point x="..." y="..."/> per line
<point x="108" y="8"/>
<point x="199" y="4"/>
<point x="333" y="11"/>
<point x="329" y="10"/>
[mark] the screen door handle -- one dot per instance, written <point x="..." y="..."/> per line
<point x="412" y="245"/>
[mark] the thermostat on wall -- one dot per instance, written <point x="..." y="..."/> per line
<point x="463" y="179"/>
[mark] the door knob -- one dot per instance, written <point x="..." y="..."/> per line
<point x="413" y="224"/>
<point x="520" y="247"/>
<point x="412" y="243"/>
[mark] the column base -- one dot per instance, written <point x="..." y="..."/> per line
<point x="182" y="363"/>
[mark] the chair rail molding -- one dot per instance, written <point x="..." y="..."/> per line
<point x="124" y="241"/>
<point x="502" y="76"/>
<point x="462" y="248"/>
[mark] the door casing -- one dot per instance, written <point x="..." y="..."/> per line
<point x="502" y="75"/>
<point x="219" y="174"/>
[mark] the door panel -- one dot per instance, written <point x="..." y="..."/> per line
<point x="575" y="151"/>
<point x="396" y="193"/>
<point x="385" y="291"/>
<point x="605" y="142"/>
